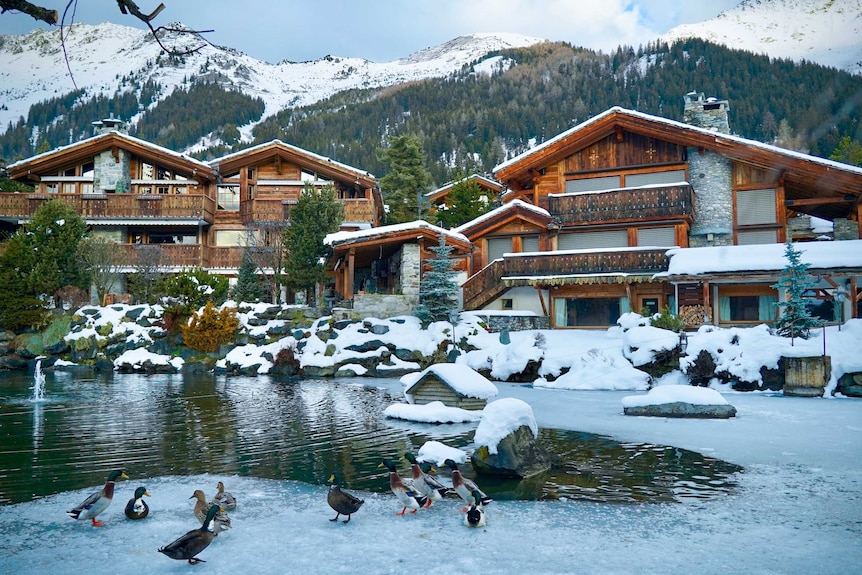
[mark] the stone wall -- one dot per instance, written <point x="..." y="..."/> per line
<point x="411" y="270"/>
<point x="512" y="321"/>
<point x="845" y="229"/>
<point x="710" y="176"/>
<point x="383" y="305"/>
<point x="112" y="174"/>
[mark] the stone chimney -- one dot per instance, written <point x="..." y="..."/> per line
<point x="709" y="113"/>
<point x="110" y="124"/>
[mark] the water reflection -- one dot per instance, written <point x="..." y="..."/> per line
<point x="174" y="425"/>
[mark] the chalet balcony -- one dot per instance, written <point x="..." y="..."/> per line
<point x="173" y="256"/>
<point x="624" y="205"/>
<point x="557" y="268"/>
<point x="277" y="209"/>
<point x="95" y="207"/>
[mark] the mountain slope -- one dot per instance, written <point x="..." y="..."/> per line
<point x="103" y="59"/>
<point x="828" y="32"/>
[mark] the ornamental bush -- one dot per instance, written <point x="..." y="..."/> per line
<point x="209" y="329"/>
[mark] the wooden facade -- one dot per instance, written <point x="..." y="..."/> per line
<point x="198" y="213"/>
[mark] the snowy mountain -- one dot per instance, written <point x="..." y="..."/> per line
<point x="828" y="32"/>
<point x="109" y="58"/>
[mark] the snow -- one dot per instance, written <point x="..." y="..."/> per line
<point x="762" y="257"/>
<point x="502" y="417"/>
<point x="339" y="238"/>
<point x="675" y="393"/>
<point x="461" y="378"/>
<point x="795" y="509"/>
<point x="433" y="412"/>
<point x="137" y="357"/>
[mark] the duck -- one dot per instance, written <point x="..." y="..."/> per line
<point x="475" y="516"/>
<point x="406" y="493"/>
<point x="137" y="508"/>
<point x="342" y="502"/>
<point x="424" y="483"/>
<point x="193" y="542"/>
<point x="95" y="504"/>
<point x="221" y="522"/>
<point x="224" y="499"/>
<point x="464" y="487"/>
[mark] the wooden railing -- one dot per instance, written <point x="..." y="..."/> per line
<point x="276" y="209"/>
<point x="221" y="257"/>
<point x="489" y="282"/>
<point x="484" y="285"/>
<point x="173" y="255"/>
<point x="115" y="206"/>
<point x="358" y="210"/>
<point x="623" y="205"/>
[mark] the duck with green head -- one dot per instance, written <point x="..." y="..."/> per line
<point x="342" y="502"/>
<point x="426" y="484"/>
<point x="464" y="487"/>
<point x="137" y="508"/>
<point x="95" y="504"/>
<point x="403" y="490"/>
<point x="475" y="516"/>
<point x="221" y="521"/>
<point x="193" y="542"/>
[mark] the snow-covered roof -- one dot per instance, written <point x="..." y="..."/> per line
<point x="678" y="126"/>
<point x="497" y="211"/>
<point x="108" y="135"/>
<point x="463" y="379"/>
<point x="322" y="159"/>
<point x="338" y="238"/>
<point x="761" y="257"/>
<point x="491" y="183"/>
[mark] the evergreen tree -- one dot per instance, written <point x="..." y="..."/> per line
<point x="316" y="214"/>
<point x="466" y="201"/>
<point x="796" y="319"/>
<point x="438" y="290"/>
<point x="248" y="287"/>
<point x="848" y="151"/>
<point x="407" y="179"/>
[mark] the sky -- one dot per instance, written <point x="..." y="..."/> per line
<point x="385" y="30"/>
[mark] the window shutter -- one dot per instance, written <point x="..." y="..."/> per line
<point x="593" y="240"/>
<point x="755" y="207"/>
<point x="497" y="247"/>
<point x="530" y="244"/>
<point x="663" y="236"/>
<point x="593" y="184"/>
<point x="652" y="178"/>
<point x="756" y="237"/>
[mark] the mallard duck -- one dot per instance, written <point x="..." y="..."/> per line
<point x="96" y="503"/>
<point x="194" y="541"/>
<point x="475" y="516"/>
<point x="342" y="502"/>
<point x="221" y="522"/>
<point x="465" y="487"/>
<point x="137" y="508"/>
<point x="424" y="483"/>
<point x="224" y="499"/>
<point x="406" y="493"/>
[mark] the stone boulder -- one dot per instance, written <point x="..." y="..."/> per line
<point x="679" y="401"/>
<point x="507" y="440"/>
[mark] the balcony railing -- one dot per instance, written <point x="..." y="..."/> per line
<point x="631" y="204"/>
<point x="276" y="209"/>
<point x="172" y="255"/>
<point x="115" y="206"/>
<point x="551" y="268"/>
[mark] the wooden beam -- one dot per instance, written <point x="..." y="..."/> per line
<point x="846" y="199"/>
<point x="541" y="300"/>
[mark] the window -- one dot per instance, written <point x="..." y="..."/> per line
<point x="228" y="198"/>
<point x="649" y="306"/>
<point x="653" y="178"/>
<point x="506" y="303"/>
<point x="530" y="244"/>
<point x="231" y="238"/>
<point x="589" y="312"/>
<point x="751" y="308"/>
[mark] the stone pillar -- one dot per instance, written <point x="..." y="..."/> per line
<point x="411" y="270"/>
<point x="710" y="175"/>
<point x="112" y="172"/>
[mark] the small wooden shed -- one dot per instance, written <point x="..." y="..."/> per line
<point x="453" y="384"/>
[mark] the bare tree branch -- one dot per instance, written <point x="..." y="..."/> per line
<point x="129" y="7"/>
<point x="32" y="10"/>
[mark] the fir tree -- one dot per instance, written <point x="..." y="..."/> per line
<point x="465" y="202"/>
<point x="438" y="290"/>
<point x="248" y="287"/>
<point x="316" y="214"/>
<point x="407" y="179"/>
<point x="796" y="321"/>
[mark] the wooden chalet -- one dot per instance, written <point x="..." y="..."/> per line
<point x="621" y="189"/>
<point x="455" y="385"/>
<point x="126" y="189"/>
<point x="389" y="261"/>
<point x="492" y="190"/>
<point x="199" y="213"/>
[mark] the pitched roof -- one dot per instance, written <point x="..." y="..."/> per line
<point x="88" y="147"/>
<point x="506" y="211"/>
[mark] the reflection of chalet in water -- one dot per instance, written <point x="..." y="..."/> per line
<point x="456" y="385"/>
<point x="619" y="190"/>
